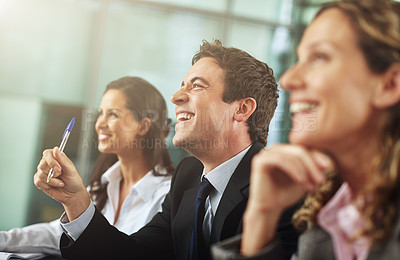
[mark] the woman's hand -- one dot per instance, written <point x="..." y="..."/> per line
<point x="66" y="186"/>
<point x="280" y="177"/>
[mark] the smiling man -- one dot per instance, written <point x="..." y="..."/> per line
<point x="223" y="110"/>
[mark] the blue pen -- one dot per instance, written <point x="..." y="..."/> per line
<point x="66" y="134"/>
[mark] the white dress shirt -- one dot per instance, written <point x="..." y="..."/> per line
<point x="219" y="178"/>
<point x="142" y="203"/>
<point x="38" y="238"/>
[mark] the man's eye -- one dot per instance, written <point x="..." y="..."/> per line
<point x="197" y="86"/>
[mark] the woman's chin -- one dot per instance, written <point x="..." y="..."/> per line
<point x="103" y="147"/>
<point x="300" y="138"/>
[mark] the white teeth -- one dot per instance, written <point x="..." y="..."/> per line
<point x="301" y="107"/>
<point x="184" y="116"/>
<point x="102" y="136"/>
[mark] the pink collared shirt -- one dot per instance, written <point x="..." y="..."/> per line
<point x="341" y="219"/>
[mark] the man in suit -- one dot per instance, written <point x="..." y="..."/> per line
<point x="223" y="110"/>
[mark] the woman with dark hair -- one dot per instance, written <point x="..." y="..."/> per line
<point x="346" y="83"/>
<point x="131" y="126"/>
<point x="132" y="173"/>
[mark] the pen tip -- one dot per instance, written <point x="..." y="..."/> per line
<point x="71" y="124"/>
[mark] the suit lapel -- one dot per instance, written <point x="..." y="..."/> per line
<point x="233" y="202"/>
<point x="186" y="209"/>
<point x="390" y="249"/>
<point x="184" y="193"/>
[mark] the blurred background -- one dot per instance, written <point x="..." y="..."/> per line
<point x="57" y="56"/>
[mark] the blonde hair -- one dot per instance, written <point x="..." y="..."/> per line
<point x="377" y="25"/>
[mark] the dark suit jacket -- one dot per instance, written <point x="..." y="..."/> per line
<point x="167" y="235"/>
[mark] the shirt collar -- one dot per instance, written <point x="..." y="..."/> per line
<point x="220" y="176"/>
<point x="340" y="199"/>
<point x="112" y="174"/>
<point x="341" y="219"/>
<point x="143" y="187"/>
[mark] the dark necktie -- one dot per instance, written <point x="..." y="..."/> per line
<point x="198" y="249"/>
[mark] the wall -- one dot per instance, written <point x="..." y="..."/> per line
<point x="64" y="52"/>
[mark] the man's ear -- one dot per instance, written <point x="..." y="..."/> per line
<point x="245" y="108"/>
<point x="144" y="126"/>
<point x="387" y="93"/>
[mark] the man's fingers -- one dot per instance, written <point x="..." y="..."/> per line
<point x="63" y="160"/>
<point x="45" y="169"/>
<point x="55" y="183"/>
<point x="40" y="180"/>
<point x="43" y="166"/>
<point x="51" y="161"/>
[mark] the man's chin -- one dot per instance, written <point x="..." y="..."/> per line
<point x="185" y="144"/>
<point x="176" y="142"/>
<point x="180" y="142"/>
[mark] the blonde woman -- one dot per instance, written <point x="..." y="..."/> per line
<point x="347" y="82"/>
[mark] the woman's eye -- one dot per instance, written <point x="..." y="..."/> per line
<point x="319" y="56"/>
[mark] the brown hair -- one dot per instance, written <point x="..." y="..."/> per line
<point x="145" y="101"/>
<point x="376" y="24"/>
<point x="245" y="76"/>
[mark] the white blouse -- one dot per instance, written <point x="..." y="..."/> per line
<point x="142" y="203"/>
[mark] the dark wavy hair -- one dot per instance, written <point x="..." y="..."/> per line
<point x="245" y="76"/>
<point x="146" y="102"/>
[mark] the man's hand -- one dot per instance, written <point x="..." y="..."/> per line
<point x="66" y="186"/>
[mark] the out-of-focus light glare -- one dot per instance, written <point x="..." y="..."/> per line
<point x="2" y="4"/>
